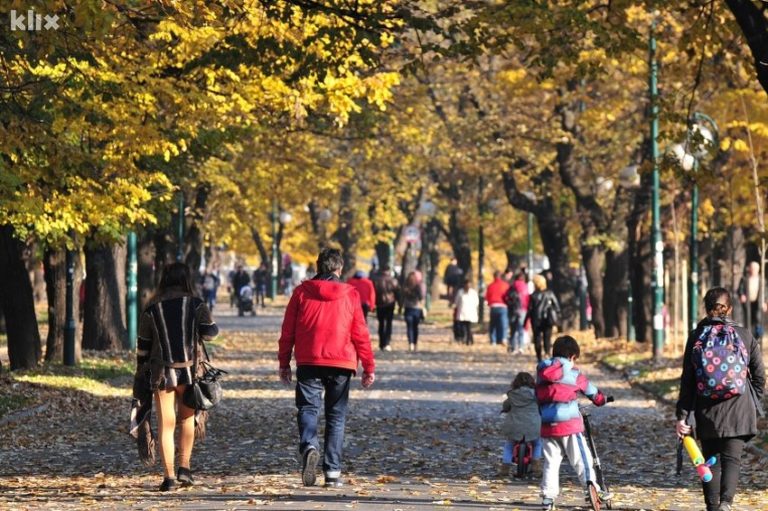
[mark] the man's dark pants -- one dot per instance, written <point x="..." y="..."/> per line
<point x="311" y="382"/>
<point x="385" y="313"/>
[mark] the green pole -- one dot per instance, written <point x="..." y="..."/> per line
<point x="132" y="314"/>
<point x="694" y="281"/>
<point x="656" y="240"/>
<point x="530" y="244"/>
<point x="480" y="253"/>
<point x="630" y="313"/>
<point x="275" y="253"/>
<point x="180" y="252"/>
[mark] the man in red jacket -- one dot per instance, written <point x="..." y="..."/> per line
<point x="367" y="292"/>
<point x="324" y="326"/>
<point x="494" y="295"/>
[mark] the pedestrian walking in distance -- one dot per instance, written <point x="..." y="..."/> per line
<point x="387" y="291"/>
<point x="543" y="312"/>
<point x="168" y="338"/>
<point x="721" y="387"/>
<point x="325" y="330"/>
<point x="467" y="304"/>
<point x="413" y="296"/>
<point x="366" y="290"/>
<point x="494" y="295"/>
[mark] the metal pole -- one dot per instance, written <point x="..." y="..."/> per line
<point x="630" y="314"/>
<point x="656" y="240"/>
<point x="693" y="293"/>
<point x="69" y="304"/>
<point x="480" y="283"/>
<point x="132" y="314"/>
<point x="480" y="251"/>
<point x="530" y="244"/>
<point x="180" y="253"/>
<point x="275" y="254"/>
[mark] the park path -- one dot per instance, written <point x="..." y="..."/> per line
<point x="425" y="437"/>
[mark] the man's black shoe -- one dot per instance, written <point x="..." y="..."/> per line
<point x="309" y="466"/>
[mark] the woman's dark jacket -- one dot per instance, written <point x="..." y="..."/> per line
<point x="722" y="419"/>
<point x="538" y="305"/>
<point x="167" y="333"/>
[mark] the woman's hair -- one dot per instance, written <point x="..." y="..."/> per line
<point x="523" y="379"/>
<point x="176" y="275"/>
<point x="540" y="282"/>
<point x="329" y="261"/>
<point x="566" y="346"/>
<point x="412" y="280"/>
<point x="717" y="302"/>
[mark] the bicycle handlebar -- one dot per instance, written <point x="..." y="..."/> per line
<point x="608" y="399"/>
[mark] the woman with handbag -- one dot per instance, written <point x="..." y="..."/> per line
<point x="171" y="331"/>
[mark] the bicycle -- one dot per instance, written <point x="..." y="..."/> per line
<point x="596" y="498"/>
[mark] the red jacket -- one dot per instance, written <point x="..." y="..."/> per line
<point x="367" y="291"/>
<point x="496" y="291"/>
<point x="324" y="325"/>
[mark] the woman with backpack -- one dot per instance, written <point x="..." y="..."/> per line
<point x="721" y="387"/>
<point x="544" y="313"/>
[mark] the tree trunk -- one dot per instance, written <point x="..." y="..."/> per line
<point x="193" y="235"/>
<point x="459" y="240"/>
<point x="753" y="23"/>
<point x="54" y="262"/>
<point x="104" y="322"/>
<point x="555" y="242"/>
<point x="263" y="252"/>
<point x="615" y="293"/>
<point x="145" y="272"/>
<point x="383" y="253"/>
<point x="593" y="258"/>
<point x="17" y="302"/>
<point x="36" y="273"/>
<point x="640" y="260"/>
<point x="345" y="235"/>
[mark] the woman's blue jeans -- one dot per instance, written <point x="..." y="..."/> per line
<point x="412" y="317"/>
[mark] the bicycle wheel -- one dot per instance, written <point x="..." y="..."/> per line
<point x="522" y="466"/>
<point x="594" y="497"/>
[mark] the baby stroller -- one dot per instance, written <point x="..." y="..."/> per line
<point x="245" y="301"/>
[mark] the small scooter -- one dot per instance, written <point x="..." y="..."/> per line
<point x="595" y="499"/>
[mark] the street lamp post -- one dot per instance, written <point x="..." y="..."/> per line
<point x="656" y="240"/>
<point x="701" y="136"/>
<point x="530" y="244"/>
<point x="275" y="255"/>
<point x="132" y="314"/>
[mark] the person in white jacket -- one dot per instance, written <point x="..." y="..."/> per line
<point x="467" y="303"/>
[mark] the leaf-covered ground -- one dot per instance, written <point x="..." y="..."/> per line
<point x="425" y="437"/>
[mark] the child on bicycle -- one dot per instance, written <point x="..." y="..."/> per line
<point x="558" y="386"/>
<point x="522" y="421"/>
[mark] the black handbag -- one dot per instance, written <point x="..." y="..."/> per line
<point x="205" y="391"/>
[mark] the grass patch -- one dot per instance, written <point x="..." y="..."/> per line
<point x="92" y="375"/>
<point x="11" y="403"/>
<point x="624" y="360"/>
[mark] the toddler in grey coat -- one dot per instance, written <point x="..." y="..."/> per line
<point x="522" y="420"/>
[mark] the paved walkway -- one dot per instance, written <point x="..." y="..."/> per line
<point x="424" y="437"/>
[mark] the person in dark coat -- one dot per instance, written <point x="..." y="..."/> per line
<point x="722" y="426"/>
<point x="169" y="331"/>
<point x="387" y="291"/>
<point x="543" y="312"/>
